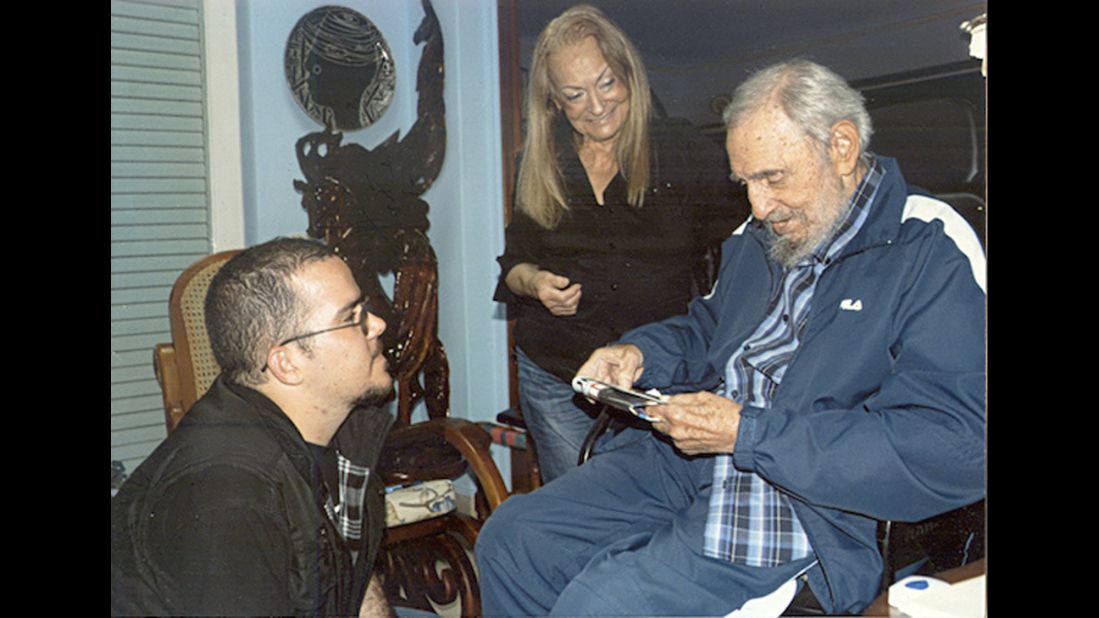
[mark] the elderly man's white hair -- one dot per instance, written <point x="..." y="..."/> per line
<point x="813" y="97"/>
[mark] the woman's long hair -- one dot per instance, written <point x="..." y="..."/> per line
<point x="540" y="194"/>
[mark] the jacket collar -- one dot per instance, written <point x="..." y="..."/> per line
<point x="359" y="439"/>
<point x="883" y="221"/>
<point x="279" y="426"/>
<point x="362" y="435"/>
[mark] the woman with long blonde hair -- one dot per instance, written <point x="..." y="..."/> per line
<point x="614" y="212"/>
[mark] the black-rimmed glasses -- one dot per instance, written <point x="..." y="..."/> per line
<point x="361" y="322"/>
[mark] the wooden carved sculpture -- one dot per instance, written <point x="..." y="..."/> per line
<point x="366" y="204"/>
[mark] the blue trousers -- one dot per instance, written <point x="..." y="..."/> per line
<point x="558" y="419"/>
<point x="619" y="536"/>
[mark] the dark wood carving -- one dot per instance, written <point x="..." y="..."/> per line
<point x="367" y="205"/>
<point x="433" y="568"/>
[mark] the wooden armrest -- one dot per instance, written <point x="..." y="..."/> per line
<point x="419" y="452"/>
<point x="473" y="442"/>
<point x="167" y="374"/>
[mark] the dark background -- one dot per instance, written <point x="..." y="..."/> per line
<point x="695" y="50"/>
<point x="910" y="59"/>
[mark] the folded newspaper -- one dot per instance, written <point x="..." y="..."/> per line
<point x="629" y="400"/>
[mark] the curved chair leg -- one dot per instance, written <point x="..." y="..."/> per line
<point x="597" y="430"/>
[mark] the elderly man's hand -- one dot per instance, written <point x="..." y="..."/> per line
<point x="620" y="364"/>
<point x="698" y="423"/>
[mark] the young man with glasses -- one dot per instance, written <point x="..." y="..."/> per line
<point x="262" y="501"/>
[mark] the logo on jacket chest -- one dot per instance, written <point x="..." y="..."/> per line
<point x="851" y="304"/>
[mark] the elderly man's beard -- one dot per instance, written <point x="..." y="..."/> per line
<point x="820" y="221"/>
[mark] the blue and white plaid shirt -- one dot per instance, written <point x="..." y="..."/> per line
<point x="750" y="521"/>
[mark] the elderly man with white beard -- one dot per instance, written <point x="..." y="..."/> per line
<point x="832" y="378"/>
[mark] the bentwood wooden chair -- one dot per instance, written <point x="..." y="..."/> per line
<point x="186" y="367"/>
<point x="426" y="555"/>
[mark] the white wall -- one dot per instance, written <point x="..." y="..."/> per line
<point x="465" y="201"/>
<point x="223" y="124"/>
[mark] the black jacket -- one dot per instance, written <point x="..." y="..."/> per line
<point x="227" y="516"/>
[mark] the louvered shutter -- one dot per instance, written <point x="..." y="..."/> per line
<point x="160" y="204"/>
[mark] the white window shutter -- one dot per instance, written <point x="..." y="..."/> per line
<point x="160" y="199"/>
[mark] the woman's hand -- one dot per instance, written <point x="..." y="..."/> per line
<point x="552" y="290"/>
<point x="555" y="293"/>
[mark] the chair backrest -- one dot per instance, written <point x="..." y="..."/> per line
<point x="186" y="368"/>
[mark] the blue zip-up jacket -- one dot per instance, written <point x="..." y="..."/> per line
<point x="880" y="415"/>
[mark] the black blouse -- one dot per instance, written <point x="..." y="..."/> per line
<point x="635" y="265"/>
